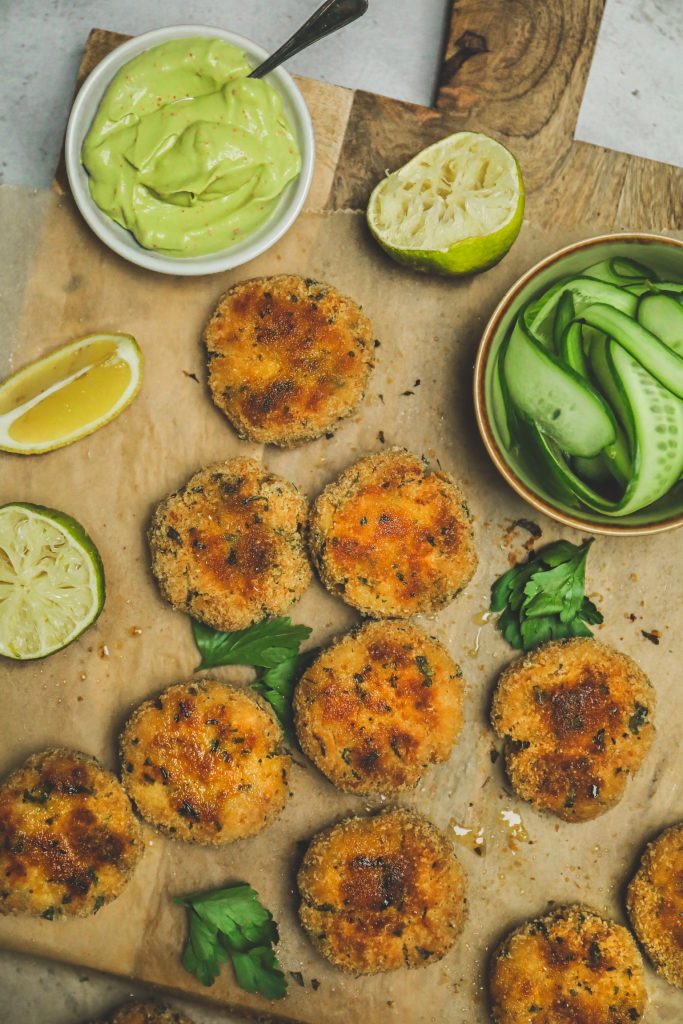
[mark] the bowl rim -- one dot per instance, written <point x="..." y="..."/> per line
<point x="482" y="415"/>
<point x="130" y="249"/>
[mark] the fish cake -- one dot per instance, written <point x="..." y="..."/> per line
<point x="393" y="538"/>
<point x="378" y="707"/>
<point x="202" y="762"/>
<point x="228" y="547"/>
<point x="382" y="893"/>
<point x="576" y="718"/>
<point x="148" y="1013"/>
<point x="655" y="904"/>
<point x="571" y="966"/>
<point x="69" y="840"/>
<point x="289" y="358"/>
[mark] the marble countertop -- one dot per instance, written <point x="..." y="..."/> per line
<point x="394" y="50"/>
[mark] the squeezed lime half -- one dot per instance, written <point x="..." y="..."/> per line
<point x="51" y="581"/>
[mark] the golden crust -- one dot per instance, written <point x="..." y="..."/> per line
<point x="289" y="358"/>
<point x="69" y="840"/>
<point x="378" y="707"/>
<point x="571" y="965"/>
<point x="228" y="548"/>
<point x="382" y="893"/>
<point x="201" y="762"/>
<point x="576" y="717"/>
<point x="655" y="903"/>
<point x="392" y="538"/>
<point x="148" y="1013"/>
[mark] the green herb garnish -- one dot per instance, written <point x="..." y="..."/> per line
<point x="543" y="599"/>
<point x="277" y="685"/>
<point x="231" y="924"/>
<point x="263" y="645"/>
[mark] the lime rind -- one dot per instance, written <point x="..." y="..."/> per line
<point x="127" y="349"/>
<point x="51" y="581"/>
<point x="456" y="208"/>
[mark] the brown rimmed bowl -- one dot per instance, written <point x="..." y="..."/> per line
<point x="664" y="255"/>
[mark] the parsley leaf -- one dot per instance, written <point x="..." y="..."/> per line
<point x="232" y="924"/>
<point x="543" y="599"/>
<point x="277" y="685"/>
<point x="264" y="644"/>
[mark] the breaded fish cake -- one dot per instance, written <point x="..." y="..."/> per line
<point x="392" y="538"/>
<point x="228" y="548"/>
<point x="148" y="1013"/>
<point x="655" y="904"/>
<point x="571" y="966"/>
<point x="378" y="707"/>
<point x="576" y="717"/>
<point x="382" y="893"/>
<point x="289" y="358"/>
<point x="202" y="762"/>
<point x="69" y="840"/>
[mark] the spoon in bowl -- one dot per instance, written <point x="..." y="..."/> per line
<point x="330" y="16"/>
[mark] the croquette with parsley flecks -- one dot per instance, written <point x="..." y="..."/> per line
<point x="378" y="707"/>
<point x="380" y="893"/>
<point x="289" y="358"/>
<point x="69" y="840"/>
<point x="570" y="966"/>
<point x="228" y="547"/>
<point x="576" y="720"/>
<point x="203" y="762"/>
<point x="655" y="904"/>
<point x="392" y="538"/>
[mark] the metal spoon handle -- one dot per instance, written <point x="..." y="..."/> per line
<point x="329" y="17"/>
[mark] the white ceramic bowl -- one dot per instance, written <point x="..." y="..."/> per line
<point x="122" y="241"/>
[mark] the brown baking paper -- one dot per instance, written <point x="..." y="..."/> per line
<point x="419" y="397"/>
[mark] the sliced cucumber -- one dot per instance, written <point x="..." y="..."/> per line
<point x="556" y="399"/>
<point x="659" y="360"/>
<point x="539" y="317"/>
<point x="663" y="316"/>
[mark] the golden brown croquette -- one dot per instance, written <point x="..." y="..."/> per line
<point x="148" y="1013"/>
<point x="69" y="840"/>
<point x="228" y="547"/>
<point x="393" y="538"/>
<point x="382" y="893"/>
<point x="378" y="707"/>
<point x="576" y="718"/>
<point x="202" y="762"/>
<point x="655" y="904"/>
<point x="289" y="358"/>
<point x="570" y="967"/>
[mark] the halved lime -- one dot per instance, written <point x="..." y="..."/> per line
<point x="68" y="393"/>
<point x="51" y="581"/>
<point x="455" y="208"/>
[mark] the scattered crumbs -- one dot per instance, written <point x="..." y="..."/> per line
<point x="83" y="676"/>
<point x="315" y="984"/>
<point x="380" y="437"/>
<point x="530" y="526"/>
<point x="103" y="651"/>
<point x="633" y="577"/>
<point x="192" y="376"/>
<point x="494" y="755"/>
<point x="417" y="383"/>
<point x="298" y="977"/>
<point x="381" y="397"/>
<point x="403" y="393"/>
<point x="632" y="616"/>
<point x="329" y="435"/>
<point x="654" y="636"/>
<point x="79" y="699"/>
<point x="135" y="631"/>
<point x="377" y="345"/>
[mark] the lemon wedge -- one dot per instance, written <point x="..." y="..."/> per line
<point x="69" y="393"/>
<point x="51" y="581"/>
<point x="455" y="208"/>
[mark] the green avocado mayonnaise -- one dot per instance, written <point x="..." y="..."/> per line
<point x="186" y="151"/>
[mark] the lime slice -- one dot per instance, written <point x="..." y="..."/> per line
<point x="51" y="581"/>
<point x="455" y="208"/>
<point x="69" y="393"/>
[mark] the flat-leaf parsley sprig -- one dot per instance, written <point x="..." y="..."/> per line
<point x="271" y="645"/>
<point x="543" y="599"/>
<point x="232" y="924"/>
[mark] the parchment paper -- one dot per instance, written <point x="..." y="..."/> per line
<point x="428" y="331"/>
